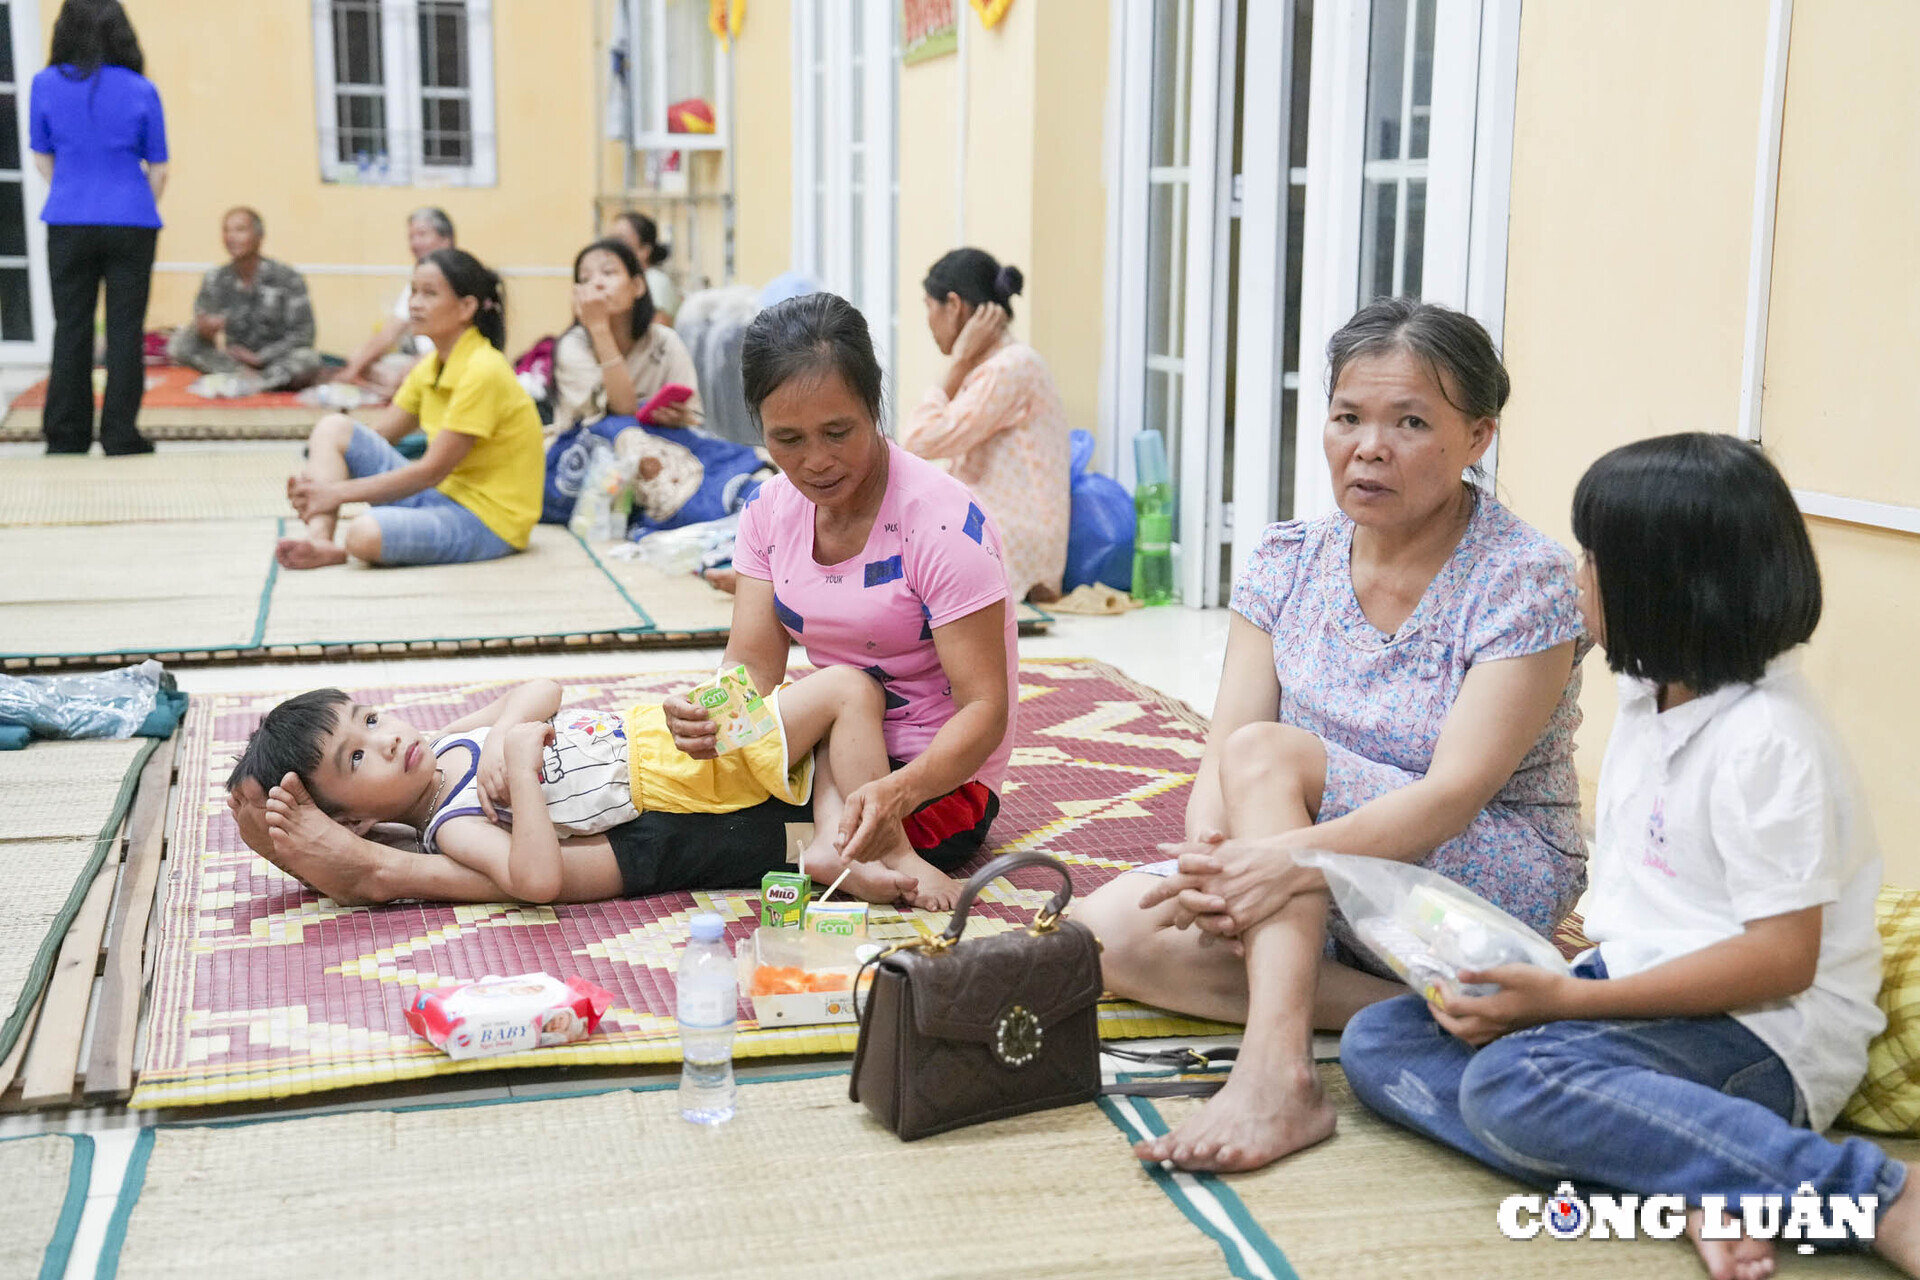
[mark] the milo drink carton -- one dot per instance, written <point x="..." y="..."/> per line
<point x="740" y="715"/>
<point x="783" y="899"/>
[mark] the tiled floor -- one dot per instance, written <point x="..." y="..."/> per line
<point x="1178" y="651"/>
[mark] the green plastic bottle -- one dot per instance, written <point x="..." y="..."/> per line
<point x="1153" y="523"/>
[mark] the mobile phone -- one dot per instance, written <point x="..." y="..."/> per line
<point x="671" y="394"/>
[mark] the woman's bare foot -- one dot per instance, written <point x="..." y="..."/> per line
<point x="1254" y="1120"/>
<point x="934" y="889"/>
<point x="722" y="579"/>
<point x="1897" y="1235"/>
<point x="1738" y="1259"/>
<point x="868" y="881"/>
<point x="305" y="553"/>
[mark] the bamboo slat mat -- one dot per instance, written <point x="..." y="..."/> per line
<point x="64" y="801"/>
<point x="169" y="485"/>
<point x="1378" y="1201"/>
<point x="801" y="1182"/>
<point x="46" y="1188"/>
<point x="133" y="589"/>
<point x="262" y="989"/>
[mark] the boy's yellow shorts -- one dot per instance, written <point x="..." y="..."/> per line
<point x="668" y="780"/>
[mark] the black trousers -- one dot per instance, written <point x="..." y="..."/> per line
<point x="79" y="259"/>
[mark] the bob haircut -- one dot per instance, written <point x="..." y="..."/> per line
<point x="642" y="305"/>
<point x="90" y="34"/>
<point x="1705" y="570"/>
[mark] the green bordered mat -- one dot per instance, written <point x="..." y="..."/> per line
<point x="64" y="803"/>
<point x="45" y="1182"/>
<point x="801" y="1182"/>
<point x="210" y="591"/>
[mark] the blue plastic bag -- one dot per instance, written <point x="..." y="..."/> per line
<point x="1100" y="526"/>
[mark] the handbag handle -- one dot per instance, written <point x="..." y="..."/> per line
<point x="1006" y="864"/>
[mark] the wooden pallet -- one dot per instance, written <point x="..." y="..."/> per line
<point x="79" y="1043"/>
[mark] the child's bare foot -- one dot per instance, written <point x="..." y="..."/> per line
<point x="868" y="881"/>
<point x="1896" y="1236"/>
<point x="933" y="889"/>
<point x="1741" y="1258"/>
<point x="305" y="553"/>
<point x="1256" y="1118"/>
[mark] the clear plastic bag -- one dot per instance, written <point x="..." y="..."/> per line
<point x="688" y="549"/>
<point x="606" y="498"/>
<point x="107" y="704"/>
<point x="1425" y="927"/>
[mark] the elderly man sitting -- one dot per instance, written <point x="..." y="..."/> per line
<point x="261" y="309"/>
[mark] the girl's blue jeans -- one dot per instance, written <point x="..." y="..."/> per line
<point x="1673" y="1106"/>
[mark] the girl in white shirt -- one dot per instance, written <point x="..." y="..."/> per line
<point x="1723" y="1018"/>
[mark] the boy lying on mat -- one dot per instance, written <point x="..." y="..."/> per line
<point x="533" y="803"/>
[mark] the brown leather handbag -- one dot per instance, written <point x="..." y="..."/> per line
<point x="956" y="1032"/>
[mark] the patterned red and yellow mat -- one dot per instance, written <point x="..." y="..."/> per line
<point x="262" y="989"/>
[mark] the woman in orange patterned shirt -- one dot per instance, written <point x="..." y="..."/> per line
<point x="997" y="418"/>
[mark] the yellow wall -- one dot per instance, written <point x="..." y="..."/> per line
<point x="1842" y="335"/>
<point x="1036" y="95"/>
<point x="246" y="134"/>
<point x="763" y="134"/>
<point x="1633" y="155"/>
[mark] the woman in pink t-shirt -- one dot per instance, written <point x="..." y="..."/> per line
<point x="871" y="558"/>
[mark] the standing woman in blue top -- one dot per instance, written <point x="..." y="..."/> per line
<point x="100" y="141"/>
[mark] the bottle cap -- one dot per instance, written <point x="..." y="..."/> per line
<point x="707" y="927"/>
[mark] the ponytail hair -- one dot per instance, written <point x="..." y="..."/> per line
<point x="976" y="277"/>
<point x="469" y="278"/>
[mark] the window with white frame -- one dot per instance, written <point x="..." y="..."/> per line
<point x="678" y="68"/>
<point x="405" y="91"/>
<point x="845" y="56"/>
<point x="1399" y="120"/>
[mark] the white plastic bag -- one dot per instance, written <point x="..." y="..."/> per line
<point x="606" y="498"/>
<point x="1425" y="927"/>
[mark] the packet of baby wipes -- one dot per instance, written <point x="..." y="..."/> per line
<point x="740" y="715"/>
<point x="505" y="1015"/>
<point x="1425" y="927"/>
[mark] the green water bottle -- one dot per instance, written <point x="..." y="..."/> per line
<point x="1153" y="526"/>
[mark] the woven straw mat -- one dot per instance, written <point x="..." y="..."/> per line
<point x="133" y="588"/>
<point x="1377" y="1201"/>
<point x="167" y="485"/>
<point x="800" y="1183"/>
<point x="59" y="795"/>
<point x="34" y="1172"/>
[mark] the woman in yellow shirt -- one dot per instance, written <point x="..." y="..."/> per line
<point x="475" y="494"/>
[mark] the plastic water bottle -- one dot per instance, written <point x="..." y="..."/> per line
<point x="1153" y="513"/>
<point x="709" y="1000"/>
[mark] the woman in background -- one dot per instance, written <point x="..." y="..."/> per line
<point x="997" y="417"/>
<point x="99" y="138"/>
<point x="384" y="360"/>
<point x="642" y="235"/>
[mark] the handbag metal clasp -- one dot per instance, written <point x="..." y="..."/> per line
<point x="1044" y="921"/>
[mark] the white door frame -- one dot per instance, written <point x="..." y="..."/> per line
<point x="29" y="56"/>
<point x="833" y="264"/>
<point x="1470" y="155"/>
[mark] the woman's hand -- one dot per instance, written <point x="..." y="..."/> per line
<point x="590" y="306"/>
<point x="692" y="728"/>
<point x="1225" y="887"/>
<point x="681" y="414"/>
<point x="1528" y="996"/>
<point x="311" y="497"/>
<point x="871" y="813"/>
<point x="978" y="336"/>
